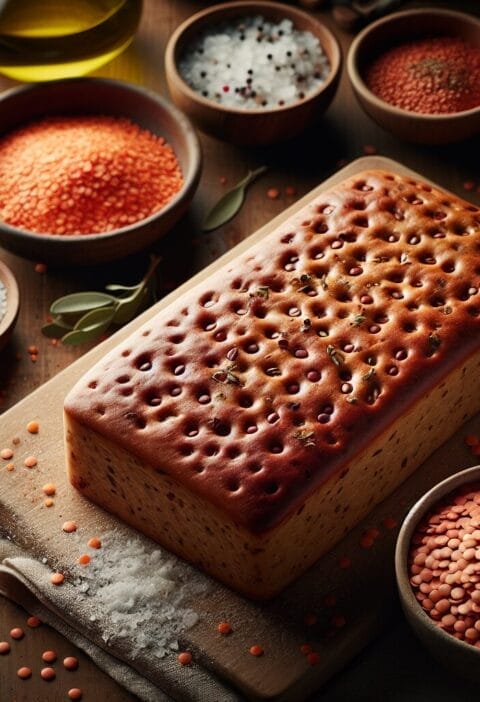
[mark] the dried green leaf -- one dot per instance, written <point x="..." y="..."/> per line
<point x="113" y="287"/>
<point x="55" y="330"/>
<point x="81" y="336"/>
<point x="77" y="303"/>
<point x="230" y="203"/>
<point x="95" y="318"/>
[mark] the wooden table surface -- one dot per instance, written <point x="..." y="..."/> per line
<point x="345" y="133"/>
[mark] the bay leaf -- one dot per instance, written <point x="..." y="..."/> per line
<point x="96" y="318"/>
<point x="230" y="203"/>
<point x="80" y="302"/>
<point x="55" y="330"/>
<point x="81" y="336"/>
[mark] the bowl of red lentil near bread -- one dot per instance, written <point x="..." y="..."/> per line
<point x="91" y="170"/>
<point x="417" y="74"/>
<point x="275" y="73"/>
<point x="437" y="563"/>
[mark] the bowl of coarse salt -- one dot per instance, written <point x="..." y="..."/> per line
<point x="253" y="72"/>
<point x="437" y="563"/>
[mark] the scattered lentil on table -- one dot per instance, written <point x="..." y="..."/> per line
<point x="255" y="63"/>
<point x="84" y="175"/>
<point x="430" y="76"/>
<point x="443" y="564"/>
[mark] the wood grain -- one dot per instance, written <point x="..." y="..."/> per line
<point x="341" y="135"/>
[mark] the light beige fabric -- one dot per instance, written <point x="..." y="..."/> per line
<point x="22" y="579"/>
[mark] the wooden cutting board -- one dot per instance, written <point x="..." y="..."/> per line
<point x="337" y="607"/>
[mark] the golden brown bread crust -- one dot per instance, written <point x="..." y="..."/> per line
<point x="254" y="388"/>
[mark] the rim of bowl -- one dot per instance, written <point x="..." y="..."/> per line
<point x="289" y="13"/>
<point x="359" y="84"/>
<point x="410" y="523"/>
<point x="193" y="146"/>
<point x="13" y="298"/>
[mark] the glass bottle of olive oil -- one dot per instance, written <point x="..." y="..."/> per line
<point x="51" y="39"/>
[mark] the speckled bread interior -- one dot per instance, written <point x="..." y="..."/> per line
<point x="252" y="423"/>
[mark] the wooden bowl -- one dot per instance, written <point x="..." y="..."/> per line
<point x="460" y="657"/>
<point x="405" y="26"/>
<point x="104" y="97"/>
<point x="250" y="126"/>
<point x="8" y="317"/>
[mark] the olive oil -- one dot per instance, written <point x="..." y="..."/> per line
<point x="52" y="39"/>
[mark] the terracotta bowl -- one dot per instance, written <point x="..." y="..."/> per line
<point x="405" y="26"/>
<point x="460" y="657"/>
<point x="104" y="97"/>
<point x="8" y="316"/>
<point x="250" y="126"/>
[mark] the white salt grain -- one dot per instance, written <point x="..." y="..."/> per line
<point x="254" y="63"/>
<point x="140" y="595"/>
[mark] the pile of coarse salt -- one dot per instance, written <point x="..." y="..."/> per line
<point x="140" y="595"/>
<point x="253" y="63"/>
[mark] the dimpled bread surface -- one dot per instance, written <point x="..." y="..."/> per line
<point x="254" y="421"/>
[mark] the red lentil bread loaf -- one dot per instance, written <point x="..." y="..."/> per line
<point x="252" y="423"/>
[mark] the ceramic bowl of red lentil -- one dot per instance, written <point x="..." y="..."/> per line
<point x="91" y="170"/>
<point x="253" y="73"/>
<point x="417" y="74"/>
<point x="437" y="563"/>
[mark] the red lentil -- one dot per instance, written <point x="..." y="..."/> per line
<point x="94" y="543"/>
<point x="69" y="527"/>
<point x="344" y="562"/>
<point x="273" y="193"/>
<point x="390" y="523"/>
<point x="430" y="76"/>
<point x="17" y="633"/>
<point x="10" y="467"/>
<point x="369" y="149"/>
<point x="48" y="674"/>
<point x="84" y="559"/>
<point x="33" y="427"/>
<point x="290" y="191"/>
<point x="472" y="440"/>
<point x="256" y="650"/>
<point x="30" y="462"/>
<point x="306" y="649"/>
<point x="48" y="502"/>
<point x="49" y="656"/>
<point x="70" y="663"/>
<point x="49" y="489"/>
<point x="57" y="578"/>
<point x="4" y="648"/>
<point x="6" y="454"/>
<point x="40" y="268"/>
<point x="469" y="185"/>
<point x="75" y="693"/>
<point x="184" y="658"/>
<point x="24" y="673"/>
<point x="84" y="174"/>
<point x="224" y="628"/>
<point x="443" y="560"/>
<point x="32" y="349"/>
<point x="313" y="658"/>
<point x="33" y="622"/>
